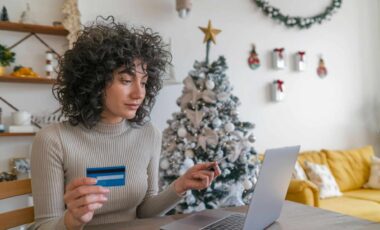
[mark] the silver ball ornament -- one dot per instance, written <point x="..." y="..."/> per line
<point x="210" y="84"/>
<point x="182" y="132"/>
<point x="164" y="164"/>
<point x="189" y="153"/>
<point x="247" y="184"/>
<point x="216" y="123"/>
<point x="229" y="127"/>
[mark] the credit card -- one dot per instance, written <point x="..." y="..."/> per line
<point x="108" y="176"/>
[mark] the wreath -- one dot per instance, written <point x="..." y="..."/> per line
<point x="300" y="22"/>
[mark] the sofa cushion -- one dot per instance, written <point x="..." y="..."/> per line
<point x="350" y="167"/>
<point x="365" y="209"/>
<point x="321" y="176"/>
<point x="365" y="194"/>
<point x="374" y="177"/>
<point x="312" y="156"/>
<point x="298" y="172"/>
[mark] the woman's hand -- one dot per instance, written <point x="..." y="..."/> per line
<point x="82" y="198"/>
<point x="197" y="177"/>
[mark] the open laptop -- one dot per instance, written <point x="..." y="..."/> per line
<point x="266" y="203"/>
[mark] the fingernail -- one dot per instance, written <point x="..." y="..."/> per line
<point x="93" y="180"/>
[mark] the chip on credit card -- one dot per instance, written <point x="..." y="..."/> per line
<point x="108" y="176"/>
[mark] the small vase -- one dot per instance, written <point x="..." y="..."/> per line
<point x="2" y="70"/>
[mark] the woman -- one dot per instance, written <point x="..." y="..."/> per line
<point x="107" y="84"/>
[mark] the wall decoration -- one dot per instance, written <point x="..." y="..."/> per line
<point x="25" y="16"/>
<point x="321" y="70"/>
<point x="296" y="21"/>
<point x="278" y="90"/>
<point x="253" y="60"/>
<point x="4" y="15"/>
<point x="278" y="56"/>
<point x="49" y="64"/>
<point x="71" y="20"/>
<point x="300" y="61"/>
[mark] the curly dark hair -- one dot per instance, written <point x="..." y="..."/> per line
<point x="86" y="69"/>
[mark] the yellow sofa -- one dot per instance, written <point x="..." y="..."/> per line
<point x="351" y="170"/>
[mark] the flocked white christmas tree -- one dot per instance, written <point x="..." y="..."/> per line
<point x="207" y="129"/>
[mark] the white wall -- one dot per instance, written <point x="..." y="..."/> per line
<point x="336" y="112"/>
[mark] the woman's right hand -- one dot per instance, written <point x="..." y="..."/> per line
<point x="82" y="198"/>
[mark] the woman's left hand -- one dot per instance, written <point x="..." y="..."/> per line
<point x="200" y="176"/>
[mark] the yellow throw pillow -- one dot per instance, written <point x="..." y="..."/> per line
<point x="374" y="178"/>
<point x="322" y="177"/>
<point x="298" y="172"/>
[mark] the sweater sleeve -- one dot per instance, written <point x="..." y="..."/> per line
<point x="156" y="203"/>
<point x="48" y="180"/>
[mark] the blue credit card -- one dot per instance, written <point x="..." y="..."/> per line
<point x="108" y="176"/>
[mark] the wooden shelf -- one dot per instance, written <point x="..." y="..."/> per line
<point x="6" y="134"/>
<point x="40" y="29"/>
<point x="41" y="80"/>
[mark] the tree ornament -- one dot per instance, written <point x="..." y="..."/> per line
<point x="247" y="184"/>
<point x="188" y="163"/>
<point x="210" y="84"/>
<point x="182" y="132"/>
<point x="4" y="15"/>
<point x="189" y="153"/>
<point x="321" y="70"/>
<point x="210" y="35"/>
<point x="296" y="21"/>
<point x="229" y="127"/>
<point x="216" y="123"/>
<point x="251" y="138"/>
<point x="253" y="60"/>
<point x="164" y="164"/>
<point x="278" y="89"/>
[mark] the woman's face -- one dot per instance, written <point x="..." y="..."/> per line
<point x="125" y="94"/>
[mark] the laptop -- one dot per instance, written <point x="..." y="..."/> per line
<point x="266" y="202"/>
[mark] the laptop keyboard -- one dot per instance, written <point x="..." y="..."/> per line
<point x="232" y="222"/>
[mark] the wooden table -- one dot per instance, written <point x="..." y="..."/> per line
<point x="294" y="216"/>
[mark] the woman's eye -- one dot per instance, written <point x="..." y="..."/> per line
<point x="126" y="81"/>
<point x="143" y="84"/>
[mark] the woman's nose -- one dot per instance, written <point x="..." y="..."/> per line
<point x="138" y="90"/>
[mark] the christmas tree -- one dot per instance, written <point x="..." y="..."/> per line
<point x="207" y="129"/>
<point x="4" y="14"/>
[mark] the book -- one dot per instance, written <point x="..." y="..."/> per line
<point x="21" y="129"/>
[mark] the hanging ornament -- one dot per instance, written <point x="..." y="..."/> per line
<point x="189" y="153"/>
<point x="247" y="184"/>
<point x="210" y="84"/>
<point x="251" y="138"/>
<point x="182" y="132"/>
<point x="253" y="60"/>
<point x="278" y="56"/>
<point x="229" y="127"/>
<point x="164" y="164"/>
<point x="188" y="163"/>
<point x="216" y="123"/>
<point x="321" y="70"/>
<point x="300" y="60"/>
<point x="278" y="90"/>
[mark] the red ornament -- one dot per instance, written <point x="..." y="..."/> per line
<point x="253" y="60"/>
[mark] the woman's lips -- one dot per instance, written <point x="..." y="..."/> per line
<point x="133" y="106"/>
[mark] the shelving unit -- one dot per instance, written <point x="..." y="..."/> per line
<point x="40" y="29"/>
<point x="6" y="134"/>
<point x="9" y="78"/>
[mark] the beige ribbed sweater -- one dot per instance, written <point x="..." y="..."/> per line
<point x="62" y="152"/>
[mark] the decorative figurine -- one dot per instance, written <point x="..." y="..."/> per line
<point x="25" y="15"/>
<point x="4" y="15"/>
<point x="253" y="60"/>
<point x="321" y="70"/>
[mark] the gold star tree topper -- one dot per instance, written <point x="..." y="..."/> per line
<point x="210" y="33"/>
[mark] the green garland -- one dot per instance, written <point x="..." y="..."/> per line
<point x="300" y="22"/>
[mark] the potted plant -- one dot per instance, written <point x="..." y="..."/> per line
<point x="6" y="58"/>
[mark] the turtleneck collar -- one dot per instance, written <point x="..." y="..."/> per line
<point x="111" y="128"/>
